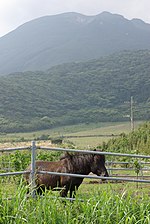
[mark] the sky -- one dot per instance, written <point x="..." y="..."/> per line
<point x="14" y="13"/>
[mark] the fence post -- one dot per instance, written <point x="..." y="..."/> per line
<point x="32" y="175"/>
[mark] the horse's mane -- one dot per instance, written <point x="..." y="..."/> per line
<point x="73" y="156"/>
<point x="79" y="158"/>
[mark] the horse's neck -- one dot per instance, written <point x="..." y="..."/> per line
<point x="82" y="166"/>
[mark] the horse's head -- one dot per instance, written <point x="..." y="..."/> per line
<point x="98" y="166"/>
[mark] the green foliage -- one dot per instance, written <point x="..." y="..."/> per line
<point x="137" y="141"/>
<point x="56" y="140"/>
<point x="137" y="166"/>
<point x="49" y="156"/>
<point x="15" y="161"/>
<point x="19" y="160"/>
<point x="43" y="137"/>
<point x="93" y="91"/>
<point x="101" y="207"/>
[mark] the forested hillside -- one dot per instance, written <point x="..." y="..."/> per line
<point x="92" y="91"/>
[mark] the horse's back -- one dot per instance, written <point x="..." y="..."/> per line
<point x="47" y="179"/>
<point x="47" y="166"/>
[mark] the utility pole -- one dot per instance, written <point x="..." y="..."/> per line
<point x="131" y="114"/>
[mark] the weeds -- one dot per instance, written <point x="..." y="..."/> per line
<point x="107" y="207"/>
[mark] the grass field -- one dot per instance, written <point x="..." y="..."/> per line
<point x="120" y="203"/>
<point x="114" y="128"/>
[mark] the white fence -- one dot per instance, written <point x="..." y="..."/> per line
<point x="33" y="149"/>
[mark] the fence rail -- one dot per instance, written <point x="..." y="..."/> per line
<point x="33" y="149"/>
<point x="95" y="152"/>
<point x="14" y="149"/>
<point x="14" y="173"/>
<point x="94" y="177"/>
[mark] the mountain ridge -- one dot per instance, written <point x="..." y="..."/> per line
<point x="62" y="38"/>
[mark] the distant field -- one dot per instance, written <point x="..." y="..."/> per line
<point x="114" y="128"/>
<point x="104" y="130"/>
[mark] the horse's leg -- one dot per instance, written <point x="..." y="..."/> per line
<point x="73" y="190"/>
<point x="64" y="192"/>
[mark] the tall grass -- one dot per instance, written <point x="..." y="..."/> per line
<point x="99" y="207"/>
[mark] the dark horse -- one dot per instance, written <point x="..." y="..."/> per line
<point x="68" y="163"/>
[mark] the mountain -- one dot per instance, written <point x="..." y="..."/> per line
<point x="92" y="91"/>
<point x="52" y="40"/>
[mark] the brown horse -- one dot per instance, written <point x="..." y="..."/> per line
<point x="68" y="163"/>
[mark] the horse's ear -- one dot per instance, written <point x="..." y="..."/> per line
<point x="68" y="155"/>
<point x="65" y="155"/>
<point x="62" y="157"/>
<point x="94" y="151"/>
